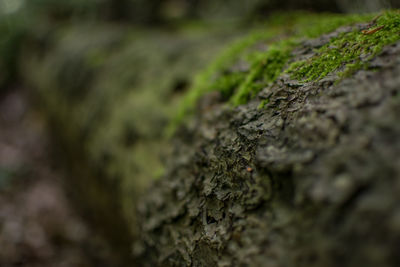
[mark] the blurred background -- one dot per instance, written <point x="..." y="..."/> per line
<point x="87" y="88"/>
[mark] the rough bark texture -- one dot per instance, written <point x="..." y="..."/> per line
<point x="312" y="179"/>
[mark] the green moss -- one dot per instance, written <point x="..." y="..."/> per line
<point x="263" y="103"/>
<point x="218" y="76"/>
<point x="266" y="67"/>
<point x="280" y="35"/>
<point x="349" y="51"/>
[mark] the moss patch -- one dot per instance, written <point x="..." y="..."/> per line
<point x="218" y="76"/>
<point x="265" y="53"/>
<point x="265" y="68"/>
<point x="350" y="50"/>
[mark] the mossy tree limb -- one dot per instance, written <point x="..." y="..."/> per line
<point x="309" y="180"/>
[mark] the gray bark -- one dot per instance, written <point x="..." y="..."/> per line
<point x="310" y="180"/>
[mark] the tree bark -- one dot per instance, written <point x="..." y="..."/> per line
<point x="312" y="179"/>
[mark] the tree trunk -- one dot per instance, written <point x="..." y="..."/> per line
<point x="311" y="179"/>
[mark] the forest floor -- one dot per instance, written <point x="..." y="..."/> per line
<point x="38" y="224"/>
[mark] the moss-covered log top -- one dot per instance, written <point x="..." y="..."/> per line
<point x="258" y="60"/>
<point x="291" y="158"/>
